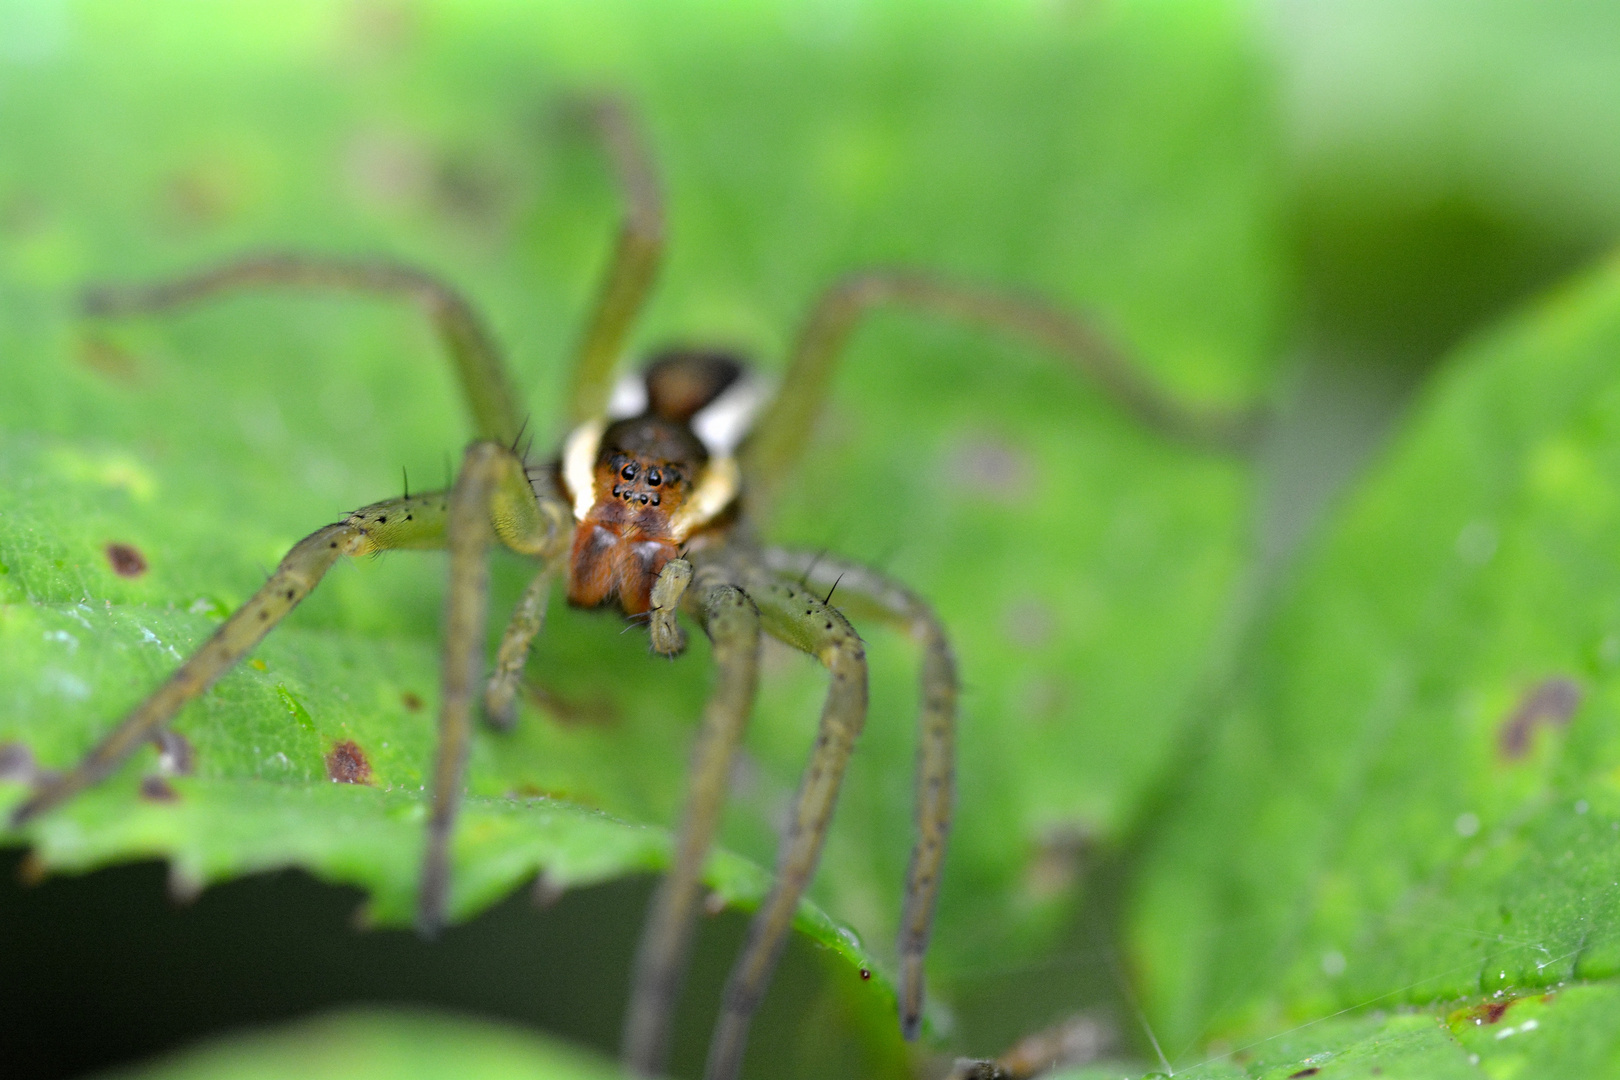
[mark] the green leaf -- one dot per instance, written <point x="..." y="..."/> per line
<point x="1084" y="565"/>
<point x="396" y="1045"/>
<point x="1415" y="793"/>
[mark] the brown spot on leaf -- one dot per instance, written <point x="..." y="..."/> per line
<point x="157" y="789"/>
<point x="411" y="701"/>
<point x="126" y="560"/>
<point x="1552" y="701"/>
<point x="346" y="763"/>
<point x="104" y="358"/>
<point x="1312" y="1071"/>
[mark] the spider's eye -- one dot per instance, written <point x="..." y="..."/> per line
<point x="654" y="477"/>
<point x="628" y="472"/>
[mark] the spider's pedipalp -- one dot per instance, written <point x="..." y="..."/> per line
<point x="733" y="625"/>
<point x="663" y="624"/>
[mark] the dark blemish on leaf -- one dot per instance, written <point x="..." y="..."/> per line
<point x="1488" y="1012"/>
<point x="104" y="358"/>
<point x="126" y="561"/>
<point x="16" y="763"/>
<point x="175" y="755"/>
<point x="346" y="764"/>
<point x="865" y="974"/>
<point x="1312" y="1071"/>
<point x="157" y="789"/>
<point x="411" y="701"/>
<point x="1552" y="701"/>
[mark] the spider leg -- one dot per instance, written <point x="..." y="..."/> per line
<point x="784" y="431"/>
<point x="491" y="500"/>
<point x="732" y="623"/>
<point x="415" y="522"/>
<point x="800" y="618"/>
<point x="478" y="364"/>
<point x="528" y="619"/>
<point x="867" y="590"/>
<point x="636" y="257"/>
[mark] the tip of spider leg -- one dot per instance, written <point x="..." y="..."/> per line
<point x="910" y="1027"/>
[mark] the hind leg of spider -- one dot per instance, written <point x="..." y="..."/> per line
<point x="414" y="522"/>
<point x="732" y="623"/>
<point x="867" y="592"/>
<point x="784" y="431"/>
<point x="796" y="616"/>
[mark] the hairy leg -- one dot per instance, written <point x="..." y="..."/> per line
<point x="803" y="620"/>
<point x="488" y="501"/>
<point x="636" y="256"/>
<point x="414" y="522"/>
<point x="732" y="622"/>
<point x="484" y="381"/>
<point x="783" y="432"/>
<point x="528" y="619"/>
<point x="864" y="589"/>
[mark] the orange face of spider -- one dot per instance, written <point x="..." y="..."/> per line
<point x="642" y="486"/>
<point x="642" y="478"/>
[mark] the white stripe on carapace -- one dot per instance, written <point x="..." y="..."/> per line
<point x="723" y="423"/>
<point x="579" y="465"/>
<point x="716" y="487"/>
<point x="629" y="396"/>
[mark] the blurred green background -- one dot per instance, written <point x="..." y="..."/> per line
<point x="1236" y="747"/>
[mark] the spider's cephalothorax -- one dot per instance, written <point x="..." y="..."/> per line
<point x="639" y="510"/>
<point x="645" y="484"/>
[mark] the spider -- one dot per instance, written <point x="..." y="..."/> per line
<point x="651" y="506"/>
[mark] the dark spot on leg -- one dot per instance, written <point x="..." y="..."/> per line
<point x="126" y="560"/>
<point x="157" y="789"/>
<point x="411" y="701"/>
<point x="346" y="763"/>
<point x="1551" y="702"/>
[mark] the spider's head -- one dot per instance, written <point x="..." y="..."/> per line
<point x="657" y="471"/>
